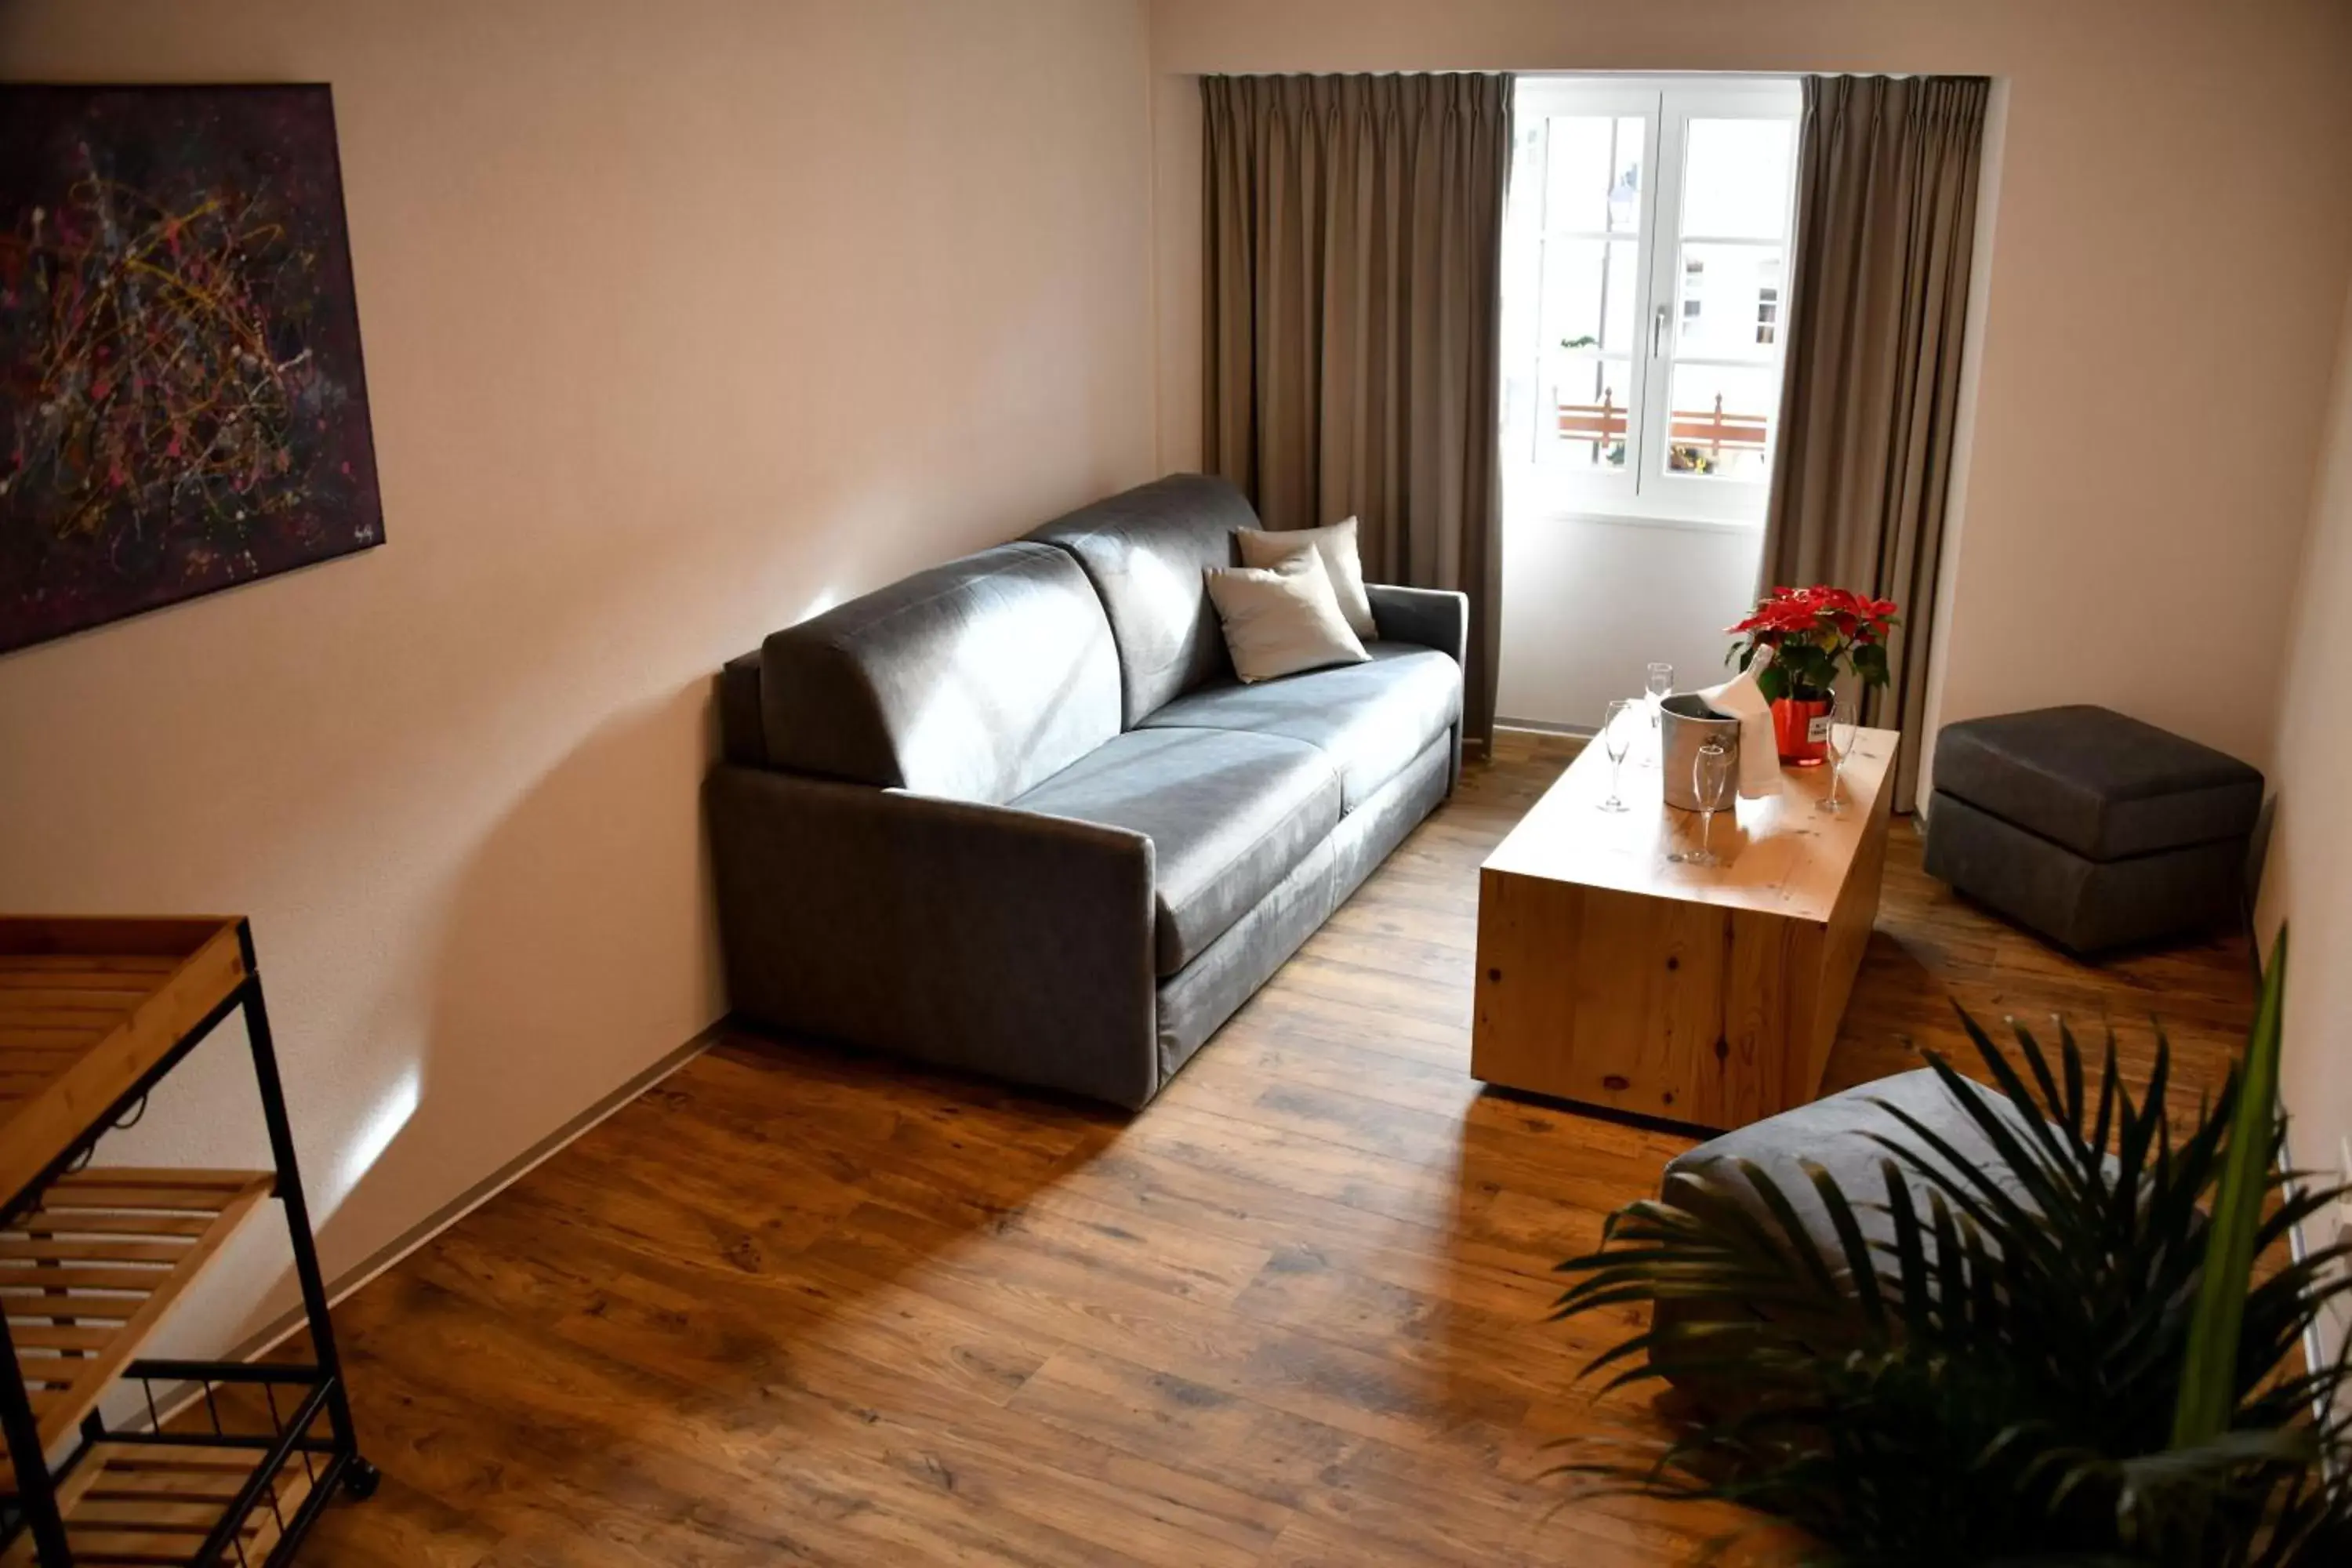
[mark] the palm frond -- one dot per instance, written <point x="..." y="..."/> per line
<point x="1994" y="1364"/>
<point x="2209" y="1383"/>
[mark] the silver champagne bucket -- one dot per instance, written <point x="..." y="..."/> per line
<point x="1687" y="723"/>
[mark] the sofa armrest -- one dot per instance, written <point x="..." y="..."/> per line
<point x="982" y="937"/>
<point x="1429" y="617"/>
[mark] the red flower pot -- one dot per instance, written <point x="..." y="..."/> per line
<point x="1800" y="725"/>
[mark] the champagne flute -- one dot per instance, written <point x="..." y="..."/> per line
<point x="1659" y="682"/>
<point x="1711" y="777"/>
<point x="1841" y="746"/>
<point x="1616" y="733"/>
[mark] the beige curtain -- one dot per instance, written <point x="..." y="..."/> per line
<point x="1886" y="219"/>
<point x="1353" y="230"/>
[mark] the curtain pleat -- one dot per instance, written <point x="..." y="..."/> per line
<point x="1352" y="230"/>
<point x="1887" y="175"/>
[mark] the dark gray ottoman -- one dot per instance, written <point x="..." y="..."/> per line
<point x="1834" y="1133"/>
<point x="2092" y="829"/>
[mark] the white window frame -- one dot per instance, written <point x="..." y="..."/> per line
<point x="1644" y="489"/>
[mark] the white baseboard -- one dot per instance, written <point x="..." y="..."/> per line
<point x="1542" y="727"/>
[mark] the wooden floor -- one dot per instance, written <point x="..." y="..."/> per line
<point x="798" y="1307"/>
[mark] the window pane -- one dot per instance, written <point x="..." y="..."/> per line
<point x="1721" y="414"/>
<point x="1729" y="301"/>
<point x="1586" y="414"/>
<point x="1592" y="174"/>
<point x="1588" y="296"/>
<point x="1736" y="179"/>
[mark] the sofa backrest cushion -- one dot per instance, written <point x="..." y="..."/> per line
<point x="1144" y="550"/>
<point x="975" y="680"/>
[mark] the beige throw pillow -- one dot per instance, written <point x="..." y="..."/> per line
<point x="1337" y="546"/>
<point x="1284" y="619"/>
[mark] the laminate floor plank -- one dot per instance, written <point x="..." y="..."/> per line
<point x="798" y="1304"/>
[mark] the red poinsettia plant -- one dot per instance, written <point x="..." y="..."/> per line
<point x="1815" y="633"/>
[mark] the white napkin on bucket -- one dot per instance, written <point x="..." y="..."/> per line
<point x="1759" y="749"/>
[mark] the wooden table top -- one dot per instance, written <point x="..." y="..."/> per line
<point x="1781" y="855"/>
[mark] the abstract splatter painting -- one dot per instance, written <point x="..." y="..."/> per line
<point x="181" y="404"/>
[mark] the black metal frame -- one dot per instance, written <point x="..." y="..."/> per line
<point x="35" y="1504"/>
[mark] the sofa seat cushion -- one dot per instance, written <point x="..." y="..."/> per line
<point x="1371" y="719"/>
<point x="2102" y="785"/>
<point x="1229" y="814"/>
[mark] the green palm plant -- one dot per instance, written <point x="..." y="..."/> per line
<point x="2075" y="1364"/>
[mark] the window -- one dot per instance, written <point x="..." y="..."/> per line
<point x="1645" y="250"/>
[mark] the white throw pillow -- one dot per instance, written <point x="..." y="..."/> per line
<point x="1284" y="619"/>
<point x="1337" y="546"/>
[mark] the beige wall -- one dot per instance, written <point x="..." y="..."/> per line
<point x="2308" y="880"/>
<point x="2161" y="248"/>
<point x="680" y="319"/>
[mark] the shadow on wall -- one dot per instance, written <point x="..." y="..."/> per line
<point x="557" y="948"/>
<point x="533" y="911"/>
<point x="463" y="956"/>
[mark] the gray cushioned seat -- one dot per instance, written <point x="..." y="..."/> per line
<point x="1833" y="1133"/>
<point x="1229" y="814"/>
<point x="2103" y="784"/>
<point x="1371" y="718"/>
<point x="2094" y="829"/>
<point x="2083" y="905"/>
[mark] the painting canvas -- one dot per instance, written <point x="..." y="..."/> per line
<point x="181" y="405"/>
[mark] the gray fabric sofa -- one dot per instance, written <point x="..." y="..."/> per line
<point x="1014" y="815"/>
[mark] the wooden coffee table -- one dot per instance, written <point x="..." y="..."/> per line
<point x="1611" y="975"/>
